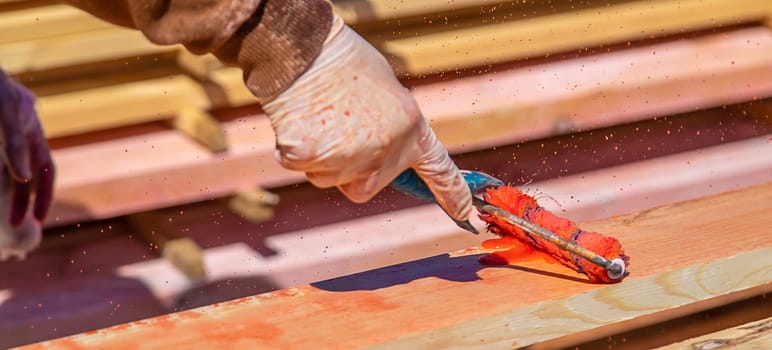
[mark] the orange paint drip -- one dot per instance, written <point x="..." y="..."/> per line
<point x="522" y="245"/>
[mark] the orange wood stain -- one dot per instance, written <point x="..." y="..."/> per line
<point x="510" y="251"/>
<point x="308" y="317"/>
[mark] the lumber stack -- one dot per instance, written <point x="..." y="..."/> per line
<point x="94" y="77"/>
<point x="589" y="104"/>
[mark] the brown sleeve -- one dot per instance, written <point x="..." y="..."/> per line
<point x="273" y="41"/>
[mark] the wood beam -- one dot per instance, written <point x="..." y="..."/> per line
<point x="522" y="103"/>
<point x="752" y="335"/>
<point x="119" y="105"/>
<point x="587" y="92"/>
<point x="359" y="11"/>
<point x="541" y="36"/>
<point x="162" y="235"/>
<point x="398" y="306"/>
<point x="286" y="259"/>
<point x="413" y="233"/>
<point x="45" y="22"/>
<point x="76" y="48"/>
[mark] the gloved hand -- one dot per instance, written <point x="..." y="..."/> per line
<point x="26" y="167"/>
<point x="348" y="122"/>
<point x="26" y="156"/>
<point x="15" y="241"/>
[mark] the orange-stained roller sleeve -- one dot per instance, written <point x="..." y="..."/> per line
<point x="520" y="242"/>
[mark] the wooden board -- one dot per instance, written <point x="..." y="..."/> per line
<point x="539" y="36"/>
<point x="452" y="301"/>
<point x="119" y="105"/>
<point x="100" y="180"/>
<point x="600" y="90"/>
<point x="752" y="335"/>
<point x="586" y="93"/>
<point x="590" y="196"/>
<point x="243" y="259"/>
<point x="76" y="48"/>
<point x="359" y="11"/>
<point x="47" y="21"/>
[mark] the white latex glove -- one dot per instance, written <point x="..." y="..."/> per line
<point x="348" y="122"/>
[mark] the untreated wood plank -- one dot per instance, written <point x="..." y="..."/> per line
<point x="162" y="169"/>
<point x="124" y="104"/>
<point x="451" y="300"/>
<point x="162" y="235"/>
<point x="523" y="103"/>
<point x="254" y="204"/>
<point x="76" y="48"/>
<point x="588" y="92"/>
<point x="752" y="335"/>
<point x="357" y="11"/>
<point x="46" y="21"/>
<point x="600" y="90"/>
<point x="200" y="126"/>
<point x="540" y="36"/>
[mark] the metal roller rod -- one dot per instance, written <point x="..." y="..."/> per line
<point x="614" y="268"/>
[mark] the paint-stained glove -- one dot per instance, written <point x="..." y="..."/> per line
<point x="27" y="168"/>
<point x="348" y="122"/>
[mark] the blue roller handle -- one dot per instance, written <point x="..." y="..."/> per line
<point x="410" y="183"/>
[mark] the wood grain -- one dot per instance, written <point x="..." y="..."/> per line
<point x="358" y="11"/>
<point x="414" y="233"/>
<point x="572" y="30"/>
<point x="124" y="104"/>
<point x="585" y="93"/>
<point x="76" y="48"/>
<point x="605" y="306"/>
<point x="452" y="300"/>
<point x="44" y="22"/>
<point x="752" y="335"/>
<point x="99" y="180"/>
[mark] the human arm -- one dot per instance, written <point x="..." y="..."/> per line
<point x="339" y="113"/>
<point x="26" y="156"/>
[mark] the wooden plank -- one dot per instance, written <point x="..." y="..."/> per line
<point x="119" y="105"/>
<point x="752" y="335"/>
<point x="181" y="252"/>
<point x="358" y="11"/>
<point x="256" y="205"/>
<point x="585" y="93"/>
<point x="202" y="127"/>
<point x="540" y="36"/>
<point x="44" y="22"/>
<point x="76" y="48"/>
<point x="166" y="168"/>
<point x="597" y="91"/>
<point x="399" y="305"/>
<point x="656" y="297"/>
<point x="292" y="258"/>
<point x="413" y="233"/>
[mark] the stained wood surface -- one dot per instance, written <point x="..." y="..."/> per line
<point x="752" y="335"/>
<point x="97" y="266"/>
<point x="452" y="300"/>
